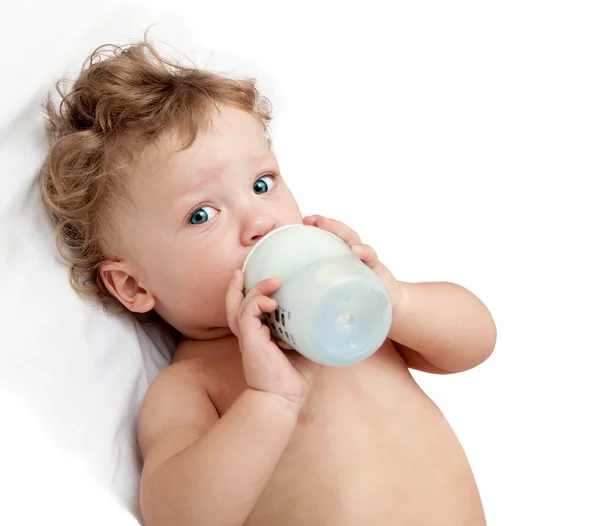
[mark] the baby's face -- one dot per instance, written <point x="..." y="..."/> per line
<point x="197" y="214"/>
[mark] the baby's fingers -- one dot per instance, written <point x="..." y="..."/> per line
<point x="367" y="254"/>
<point x="236" y="302"/>
<point x="249" y="319"/>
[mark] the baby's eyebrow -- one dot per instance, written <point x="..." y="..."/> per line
<point x="194" y="185"/>
<point x="222" y="166"/>
<point x="206" y="174"/>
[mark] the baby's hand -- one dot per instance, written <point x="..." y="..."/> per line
<point x="366" y="253"/>
<point x="266" y="367"/>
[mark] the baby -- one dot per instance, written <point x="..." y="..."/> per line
<point x="160" y="179"/>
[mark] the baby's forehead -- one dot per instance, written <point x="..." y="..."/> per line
<point x="222" y="139"/>
<point x="211" y="155"/>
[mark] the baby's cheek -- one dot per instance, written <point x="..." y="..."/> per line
<point x="208" y="276"/>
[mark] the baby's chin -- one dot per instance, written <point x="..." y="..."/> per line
<point x="217" y="333"/>
<point x="202" y="334"/>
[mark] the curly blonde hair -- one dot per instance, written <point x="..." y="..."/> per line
<point x="123" y="100"/>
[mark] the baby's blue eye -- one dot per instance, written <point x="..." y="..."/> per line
<point x="264" y="184"/>
<point x="202" y="215"/>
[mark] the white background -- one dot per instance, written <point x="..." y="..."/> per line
<point x="461" y="140"/>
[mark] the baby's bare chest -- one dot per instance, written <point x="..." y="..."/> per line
<point x="369" y="448"/>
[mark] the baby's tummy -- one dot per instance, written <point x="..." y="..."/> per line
<point x="371" y="448"/>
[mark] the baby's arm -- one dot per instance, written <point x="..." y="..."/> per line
<point x="199" y="469"/>
<point x="202" y="470"/>
<point x="441" y="327"/>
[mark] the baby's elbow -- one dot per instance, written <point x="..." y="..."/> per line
<point x="467" y="361"/>
<point x="476" y="354"/>
<point x="492" y="337"/>
<point x="483" y="355"/>
<point x="485" y="348"/>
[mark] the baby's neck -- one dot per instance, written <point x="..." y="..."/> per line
<point x="193" y="348"/>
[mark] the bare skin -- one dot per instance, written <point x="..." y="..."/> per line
<point x="369" y="447"/>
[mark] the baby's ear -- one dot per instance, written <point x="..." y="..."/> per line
<point x="125" y="287"/>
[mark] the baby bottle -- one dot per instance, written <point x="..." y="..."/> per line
<point x="332" y="308"/>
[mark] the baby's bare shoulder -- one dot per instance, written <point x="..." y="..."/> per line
<point x="176" y="405"/>
<point x="187" y="370"/>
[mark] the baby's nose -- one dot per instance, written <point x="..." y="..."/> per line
<point x="258" y="228"/>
